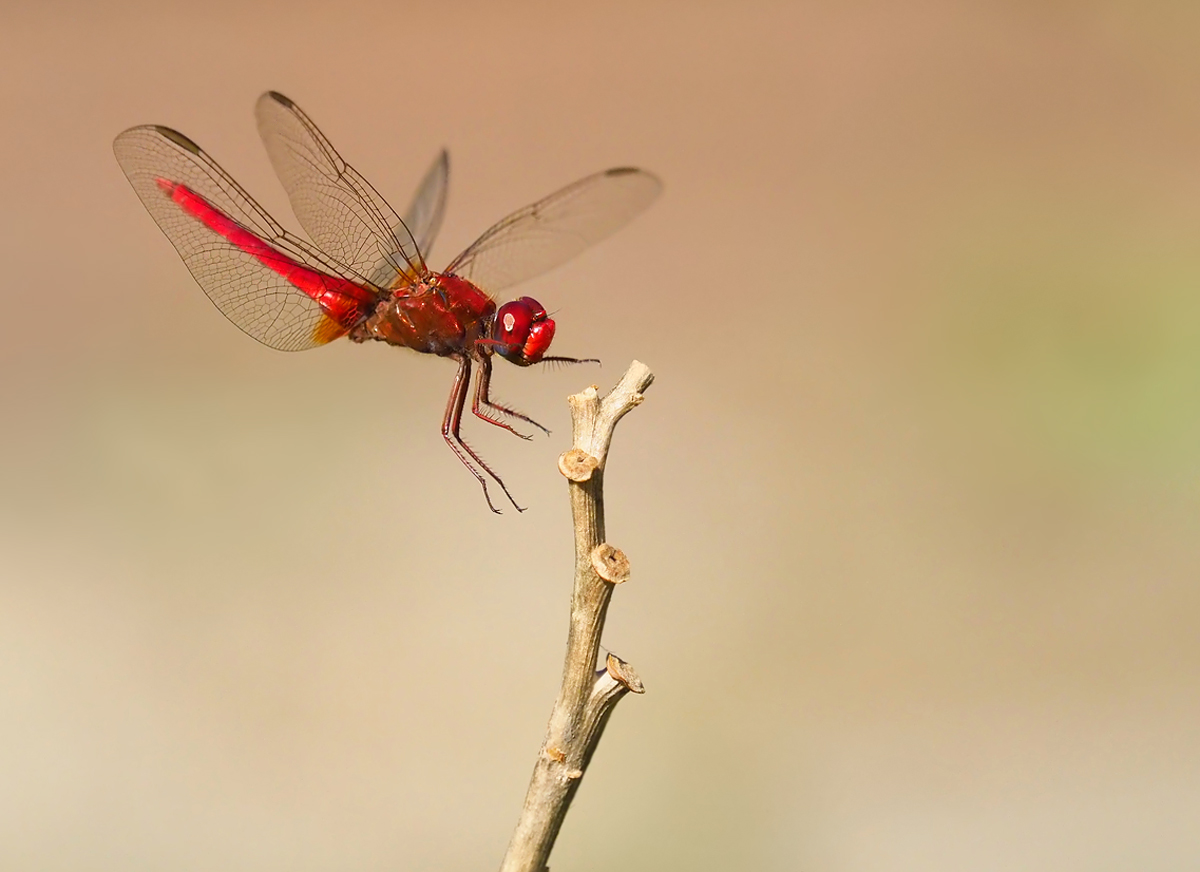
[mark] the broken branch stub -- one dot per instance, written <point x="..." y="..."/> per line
<point x="577" y="464"/>
<point x="610" y="563"/>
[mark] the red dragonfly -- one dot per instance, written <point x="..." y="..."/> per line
<point x="364" y="275"/>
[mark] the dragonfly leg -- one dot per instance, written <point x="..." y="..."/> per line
<point x="486" y="410"/>
<point x="452" y="422"/>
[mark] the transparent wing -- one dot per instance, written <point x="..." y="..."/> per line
<point x="424" y="215"/>
<point x="423" y="218"/>
<point x="269" y="283"/>
<point x="338" y="208"/>
<point x="553" y="230"/>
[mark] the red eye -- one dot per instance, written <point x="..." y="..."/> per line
<point x="513" y="321"/>
<point x="536" y="309"/>
<point x="523" y="332"/>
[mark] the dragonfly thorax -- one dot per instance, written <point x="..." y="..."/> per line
<point x="442" y="314"/>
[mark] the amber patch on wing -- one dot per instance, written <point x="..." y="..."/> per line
<point x="327" y="330"/>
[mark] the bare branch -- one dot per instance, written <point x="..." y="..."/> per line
<point x="587" y="695"/>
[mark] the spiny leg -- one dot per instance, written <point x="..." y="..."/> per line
<point x="484" y="400"/>
<point x="452" y="421"/>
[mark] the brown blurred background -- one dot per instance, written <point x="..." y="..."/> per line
<point x="912" y="506"/>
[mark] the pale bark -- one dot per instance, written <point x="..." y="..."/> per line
<point x="588" y="694"/>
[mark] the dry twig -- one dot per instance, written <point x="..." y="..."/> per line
<point x="587" y="696"/>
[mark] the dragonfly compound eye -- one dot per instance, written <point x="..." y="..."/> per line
<point x="523" y="332"/>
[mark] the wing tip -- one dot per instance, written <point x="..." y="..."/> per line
<point x="638" y="173"/>
<point x="178" y="138"/>
<point x="127" y="139"/>
<point x="280" y="99"/>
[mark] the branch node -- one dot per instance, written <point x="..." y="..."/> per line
<point x="577" y="465"/>
<point x="624" y="673"/>
<point x="610" y="563"/>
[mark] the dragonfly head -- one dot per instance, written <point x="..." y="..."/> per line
<point x="522" y="332"/>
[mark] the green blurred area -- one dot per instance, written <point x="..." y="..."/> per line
<point x="1076" y="338"/>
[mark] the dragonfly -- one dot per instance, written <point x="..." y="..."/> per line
<point x="364" y="274"/>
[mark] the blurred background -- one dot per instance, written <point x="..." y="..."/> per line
<point x="912" y="505"/>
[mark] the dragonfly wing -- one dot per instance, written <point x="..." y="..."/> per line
<point x="338" y="208"/>
<point x="553" y="230"/>
<point x="269" y="283"/>
<point x="424" y="215"/>
<point x="423" y="218"/>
